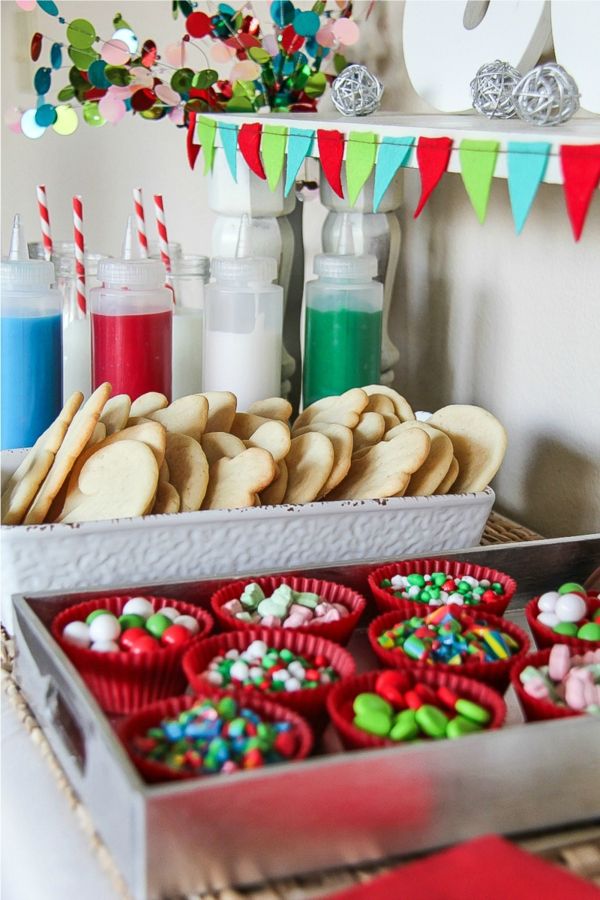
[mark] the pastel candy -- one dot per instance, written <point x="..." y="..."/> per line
<point x="537" y="687"/>
<point x="574" y="694"/>
<point x="233" y="607"/>
<point x="285" y="595"/>
<point x="559" y="662"/>
<point x="294" y="621"/>
<point x="549" y="619"/>
<point x="320" y="609"/>
<point x="547" y="601"/>
<point x="272" y="607"/>
<point x="302" y="611"/>
<point x="252" y="595"/>
<point x="332" y="616"/>
<point x="271" y="622"/>
<point x="307" y="599"/>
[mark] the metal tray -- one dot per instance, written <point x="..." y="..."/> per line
<point x="335" y="808"/>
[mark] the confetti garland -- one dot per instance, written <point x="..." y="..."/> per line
<point x="107" y="79"/>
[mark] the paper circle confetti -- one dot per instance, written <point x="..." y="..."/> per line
<point x="245" y="71"/>
<point x="56" y="56"/>
<point x="35" y="47"/>
<point x="198" y="25"/>
<point x="221" y="53"/>
<point x="270" y="44"/>
<point x="143" y="99"/>
<point x="149" y="53"/>
<point x="77" y="79"/>
<point x="29" y="126"/>
<point x="315" y="85"/>
<point x="181" y="80"/>
<point x="205" y="79"/>
<point x="66" y="120"/>
<point x="128" y="37"/>
<point x="27" y="5"/>
<point x="111" y="108"/>
<point x="115" y="53"/>
<point x="12" y="119"/>
<point x="96" y="74"/>
<point x="91" y="114"/>
<point x="48" y="6"/>
<point x="167" y="95"/>
<point x="45" y="115"/>
<point x="42" y="80"/>
<point x="259" y="55"/>
<point x="346" y="31"/>
<point x="175" y="54"/>
<point x="142" y="77"/>
<point x="83" y="58"/>
<point x="306" y="23"/>
<point x="290" y="41"/>
<point x="177" y="115"/>
<point x="118" y="75"/>
<point x="81" y="34"/>
<point x="325" y="36"/>
<point x="282" y="12"/>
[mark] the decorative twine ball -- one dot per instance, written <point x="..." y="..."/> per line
<point x="356" y="92"/>
<point x="547" y="95"/>
<point x="492" y="90"/>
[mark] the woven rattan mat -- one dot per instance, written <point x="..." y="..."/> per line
<point x="578" y="850"/>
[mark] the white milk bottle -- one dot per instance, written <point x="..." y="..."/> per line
<point x="189" y="274"/>
<point x="77" y="361"/>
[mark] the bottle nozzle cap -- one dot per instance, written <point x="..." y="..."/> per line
<point x="243" y="246"/>
<point x="345" y="242"/>
<point x="18" y="271"/>
<point x="130" y="248"/>
<point x="18" y="247"/>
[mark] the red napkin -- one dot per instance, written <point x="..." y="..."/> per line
<point x="487" y="868"/>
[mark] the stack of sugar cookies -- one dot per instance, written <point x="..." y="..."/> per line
<point x="108" y="457"/>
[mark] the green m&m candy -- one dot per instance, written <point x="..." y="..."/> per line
<point x="568" y="629"/>
<point x="131" y="621"/>
<point x="460" y="726"/>
<point x="589" y="632"/>
<point x="157" y="623"/>
<point x="572" y="587"/>
<point x="95" y="614"/>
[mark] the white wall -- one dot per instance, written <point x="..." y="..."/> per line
<point x="481" y="316"/>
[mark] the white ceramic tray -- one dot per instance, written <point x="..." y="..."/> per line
<point x="212" y="543"/>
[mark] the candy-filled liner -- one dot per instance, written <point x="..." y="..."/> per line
<point x="535" y="709"/>
<point x="496" y="674"/>
<point x="138" y="723"/>
<point x="309" y="702"/>
<point x="545" y="637"/>
<point x="341" y="697"/>
<point x="386" y="602"/>
<point x="122" y="682"/>
<point x="339" y="632"/>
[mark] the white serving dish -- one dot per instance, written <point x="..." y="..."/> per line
<point x="213" y="543"/>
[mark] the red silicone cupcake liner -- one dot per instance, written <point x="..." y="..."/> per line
<point x="534" y="709"/>
<point x="341" y="698"/>
<point x="496" y="674"/>
<point x="309" y="703"/>
<point x="138" y="724"/>
<point x="123" y="682"/>
<point x="545" y="637"/>
<point x="339" y="632"/>
<point x="386" y="602"/>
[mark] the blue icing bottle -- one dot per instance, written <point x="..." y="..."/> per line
<point x="31" y="345"/>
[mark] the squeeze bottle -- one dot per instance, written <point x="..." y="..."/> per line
<point x="243" y="327"/>
<point x="189" y="274"/>
<point x="132" y="315"/>
<point x="342" y="333"/>
<point x="31" y="351"/>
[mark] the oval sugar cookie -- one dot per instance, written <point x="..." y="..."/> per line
<point x="479" y="442"/>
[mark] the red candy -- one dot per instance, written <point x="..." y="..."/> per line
<point x="175" y="636"/>
<point x="131" y="636"/>
<point x="145" y="644"/>
<point x="391" y="686"/>
<point x="489" y="596"/>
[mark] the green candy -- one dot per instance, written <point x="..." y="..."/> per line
<point x="286" y="655"/>
<point x="571" y="587"/>
<point x="425" y="596"/>
<point x="95" y="614"/>
<point x="157" y="624"/>
<point x="463" y="587"/>
<point x="497" y="588"/>
<point x="385" y="583"/>
<point x="416" y="579"/>
<point x="374" y="722"/>
<point x="307" y="599"/>
<point x="405" y="726"/>
<point x="227" y="708"/>
<point x="569" y="629"/>
<point x="252" y="596"/>
<point x="132" y="620"/>
<point x="432" y="721"/>
<point x="589" y="632"/>
<point x="459" y="726"/>
<point x="438" y="578"/>
<point x="472" y="711"/>
<point x="367" y="703"/>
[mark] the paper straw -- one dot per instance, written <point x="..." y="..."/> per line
<point x="79" y="251"/>
<point x="163" y="238"/>
<point x="140" y="218"/>
<point x="42" y="202"/>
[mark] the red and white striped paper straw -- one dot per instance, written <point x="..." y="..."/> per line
<point x="140" y="218"/>
<point x="79" y="251"/>
<point x="163" y="238"/>
<point x="42" y="202"/>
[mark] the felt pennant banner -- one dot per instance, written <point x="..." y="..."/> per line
<point x="433" y="155"/>
<point x="229" y="139"/>
<point x="477" y="164"/>
<point x="331" y="154"/>
<point x="361" y="150"/>
<point x="393" y="153"/>
<point x="272" y="150"/>
<point x="206" y="136"/>
<point x="299" y="146"/>
<point x="527" y="164"/>
<point x="249" y="143"/>
<point x="192" y="149"/>
<point x="581" y="173"/>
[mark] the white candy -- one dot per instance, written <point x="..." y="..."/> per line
<point x="138" y="606"/>
<point x="484" y="583"/>
<point x="470" y="580"/>
<point x="548" y="618"/>
<point x="397" y="581"/>
<point x="547" y="601"/>
<point x="188" y="622"/>
<point x="77" y="633"/>
<point x="170" y="612"/>
<point x="256" y="650"/>
<point x="414" y="590"/>
<point x="104" y="628"/>
<point x="215" y="678"/>
<point x="239" y="670"/>
<point x="232" y="654"/>
<point x="280" y="675"/>
<point x="296" y="669"/>
<point x="104" y="646"/>
<point x="292" y="684"/>
<point x="256" y="672"/>
<point x="570" y="608"/>
<point x="427" y="577"/>
<point x="457" y="599"/>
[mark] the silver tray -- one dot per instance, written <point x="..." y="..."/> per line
<point x="331" y="810"/>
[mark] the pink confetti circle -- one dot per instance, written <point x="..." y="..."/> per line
<point x="122" y="91"/>
<point x="12" y="120"/>
<point x="27" y="5"/>
<point x="111" y="108"/>
<point x="270" y="44"/>
<point x="142" y="77"/>
<point x="175" y="55"/>
<point x="167" y="95"/>
<point x="176" y="115"/>
<point x="222" y="53"/>
<point x="346" y="31"/>
<point x="245" y="71"/>
<point x="115" y="53"/>
<point x="325" y="36"/>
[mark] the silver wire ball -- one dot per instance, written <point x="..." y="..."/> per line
<point x="356" y="92"/>
<point x="492" y="90"/>
<point x="547" y="95"/>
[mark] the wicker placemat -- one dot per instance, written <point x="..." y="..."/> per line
<point x="578" y="850"/>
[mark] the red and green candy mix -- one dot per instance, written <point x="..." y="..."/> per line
<point x="439" y="589"/>
<point x="268" y="669"/>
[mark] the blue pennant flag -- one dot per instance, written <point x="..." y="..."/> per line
<point x="228" y="133"/>
<point x="527" y="164"/>
<point x="300" y="143"/>
<point x="394" y="152"/>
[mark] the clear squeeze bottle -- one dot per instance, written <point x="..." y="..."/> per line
<point x="189" y="274"/>
<point x="342" y="334"/>
<point x="243" y="327"/>
<point x="31" y="360"/>
<point x="132" y="318"/>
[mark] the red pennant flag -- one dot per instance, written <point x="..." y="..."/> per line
<point x="331" y="153"/>
<point x="249" y="136"/>
<point x="581" y="173"/>
<point x="192" y="149"/>
<point x="433" y="155"/>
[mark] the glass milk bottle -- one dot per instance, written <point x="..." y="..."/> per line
<point x="342" y="327"/>
<point x="243" y="329"/>
<point x="77" y="361"/>
<point x="189" y="274"/>
<point x="132" y="314"/>
<point x="31" y="360"/>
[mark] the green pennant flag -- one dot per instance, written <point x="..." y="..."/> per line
<point x="272" y="151"/>
<point x="477" y="164"/>
<point x="207" y="129"/>
<point x="361" y="149"/>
